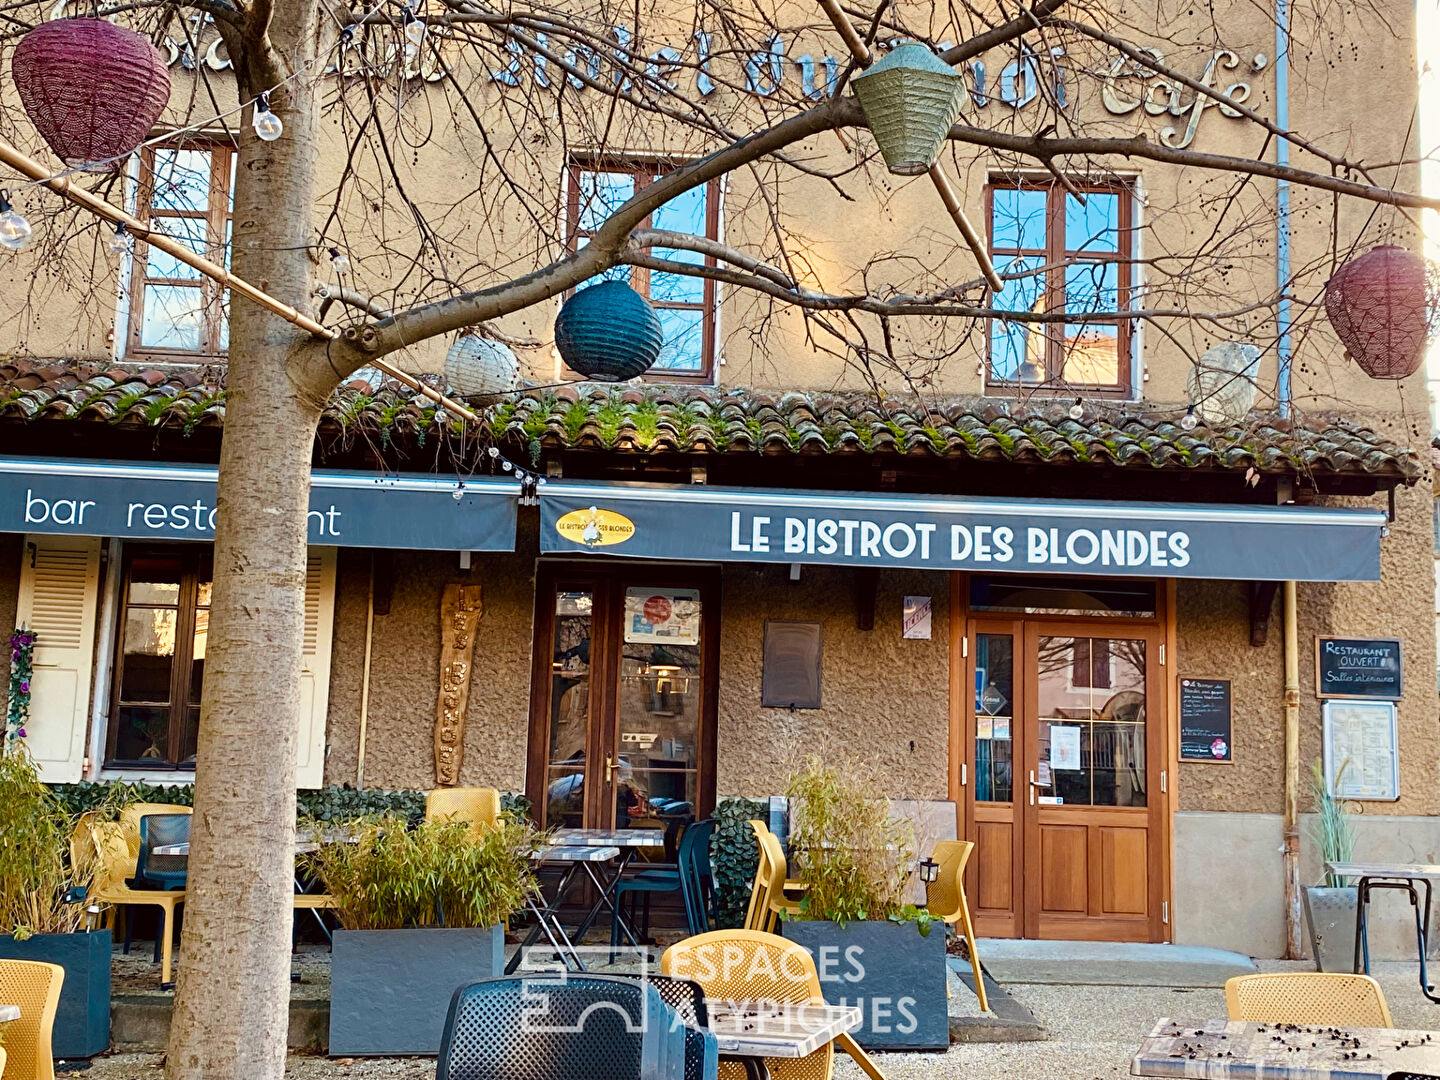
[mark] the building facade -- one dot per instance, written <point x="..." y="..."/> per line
<point x="1015" y="578"/>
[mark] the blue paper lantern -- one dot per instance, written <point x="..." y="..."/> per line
<point x="608" y="333"/>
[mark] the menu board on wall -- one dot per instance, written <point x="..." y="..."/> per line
<point x="1362" y="755"/>
<point x="1358" y="668"/>
<point x="1205" y="720"/>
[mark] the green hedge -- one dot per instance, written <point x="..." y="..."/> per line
<point x="334" y="803"/>
<point x="733" y="858"/>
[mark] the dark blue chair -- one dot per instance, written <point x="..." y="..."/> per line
<point x="687" y="998"/>
<point x="688" y="877"/>
<point x="565" y="1027"/>
<point x="163" y="872"/>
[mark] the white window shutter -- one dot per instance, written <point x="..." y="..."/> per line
<point x="59" y="600"/>
<point x="315" y="666"/>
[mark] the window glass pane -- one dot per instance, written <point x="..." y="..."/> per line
<point x="148" y="651"/>
<point x="1091" y="694"/>
<point x="142" y="733"/>
<point x="1018" y="218"/>
<point x="685" y="213"/>
<point x="181" y="180"/>
<point x="188" y="231"/>
<point x="569" y="708"/>
<point x="155" y="579"/>
<point x="189" y="733"/>
<point x="172" y="317"/>
<point x="601" y="194"/>
<point x="684" y="347"/>
<point x="1092" y="350"/>
<point x="197" y="658"/>
<point x="677" y="288"/>
<point x="1092" y="225"/>
<point x="1017" y="349"/>
<point x="1037" y="595"/>
<point x="994" y="712"/>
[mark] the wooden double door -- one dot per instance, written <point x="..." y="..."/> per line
<point x="1064" y="778"/>
<point x="623" y="695"/>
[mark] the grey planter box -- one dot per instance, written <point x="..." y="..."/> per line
<point x="82" y="1023"/>
<point x="1330" y="914"/>
<point x="390" y="989"/>
<point x="891" y="971"/>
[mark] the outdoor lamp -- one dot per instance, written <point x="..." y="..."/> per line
<point x="929" y="870"/>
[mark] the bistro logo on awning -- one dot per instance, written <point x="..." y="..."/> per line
<point x="594" y="527"/>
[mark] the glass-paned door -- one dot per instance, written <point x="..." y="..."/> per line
<point x="622" y="707"/>
<point x="1065" y="751"/>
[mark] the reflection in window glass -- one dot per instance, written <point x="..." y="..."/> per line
<point x="1092" y="224"/>
<point x="994" y="714"/>
<point x="1091" y="697"/>
<point x="1019" y="219"/>
<point x="172" y="317"/>
<point x="1017" y="349"/>
<point x="569" y="710"/>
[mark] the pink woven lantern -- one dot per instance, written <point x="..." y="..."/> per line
<point x="91" y="88"/>
<point x="1383" y="306"/>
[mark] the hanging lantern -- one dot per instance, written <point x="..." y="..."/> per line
<point x="476" y="366"/>
<point x="1383" y="306"/>
<point x="1222" y="383"/>
<point x="910" y="98"/>
<point x="92" y="89"/>
<point x="608" y="333"/>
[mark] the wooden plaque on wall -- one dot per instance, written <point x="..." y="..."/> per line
<point x="460" y="611"/>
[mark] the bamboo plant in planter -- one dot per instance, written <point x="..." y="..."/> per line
<point x="42" y="909"/>
<point x="871" y="948"/>
<point x="422" y="912"/>
<point x="1331" y="907"/>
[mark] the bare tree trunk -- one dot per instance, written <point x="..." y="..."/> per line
<point x="232" y="1005"/>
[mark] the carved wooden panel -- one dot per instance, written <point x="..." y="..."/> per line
<point x="460" y="611"/>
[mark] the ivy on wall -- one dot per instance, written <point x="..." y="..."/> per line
<point x="734" y="857"/>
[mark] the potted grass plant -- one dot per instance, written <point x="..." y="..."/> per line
<point x="872" y="949"/>
<point x="422" y="911"/>
<point x="1331" y="906"/>
<point x="42" y="911"/>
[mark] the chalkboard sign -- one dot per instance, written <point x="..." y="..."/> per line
<point x="1358" y="668"/>
<point x="1205" y="720"/>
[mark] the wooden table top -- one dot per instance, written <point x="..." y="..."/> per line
<point x="776" y="1028"/>
<point x="1235" y="1050"/>
<point x="8" y="1013"/>
<point x="576" y="853"/>
<point x="1400" y="871"/>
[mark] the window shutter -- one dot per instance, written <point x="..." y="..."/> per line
<point x="315" y="666"/>
<point x="59" y="600"/>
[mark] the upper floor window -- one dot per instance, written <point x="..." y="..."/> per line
<point x="1073" y="247"/>
<point x="175" y="312"/>
<point x="685" y="304"/>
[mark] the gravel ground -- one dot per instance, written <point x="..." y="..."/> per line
<point x="1094" y="1031"/>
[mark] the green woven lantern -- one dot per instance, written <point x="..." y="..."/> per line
<point x="910" y="98"/>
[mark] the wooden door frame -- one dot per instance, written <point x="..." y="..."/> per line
<point x="1162" y="760"/>
<point x="607" y="579"/>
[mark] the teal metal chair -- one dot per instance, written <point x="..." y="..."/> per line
<point x="690" y="877"/>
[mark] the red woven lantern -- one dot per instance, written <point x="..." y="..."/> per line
<point x="91" y="88"/>
<point x="1383" y="306"/>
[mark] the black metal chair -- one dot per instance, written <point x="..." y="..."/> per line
<point x="565" y="1027"/>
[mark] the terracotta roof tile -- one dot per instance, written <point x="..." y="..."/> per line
<point x="711" y="421"/>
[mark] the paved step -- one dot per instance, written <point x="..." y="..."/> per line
<point x="1109" y="963"/>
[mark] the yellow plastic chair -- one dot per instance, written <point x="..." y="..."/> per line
<point x="35" y="988"/>
<point x="1308" y="997"/>
<point x="945" y="899"/>
<point x="768" y="894"/>
<point x="748" y="964"/>
<point x="477" y="806"/>
<point x="116" y="863"/>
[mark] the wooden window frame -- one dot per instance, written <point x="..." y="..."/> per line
<point x="217" y="214"/>
<point x="192" y="558"/>
<point x="645" y="173"/>
<point x="1055" y="257"/>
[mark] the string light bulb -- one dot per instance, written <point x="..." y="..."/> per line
<point x="267" y="125"/>
<point x="413" y="28"/>
<point x="340" y="261"/>
<point x="121" y="242"/>
<point x="14" y="229"/>
<point x="1077" y="411"/>
<point x="1189" y="420"/>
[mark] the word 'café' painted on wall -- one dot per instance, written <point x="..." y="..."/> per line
<point x="1127" y="85"/>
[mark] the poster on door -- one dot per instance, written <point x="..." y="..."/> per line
<point x="662" y="616"/>
<point x="1064" y="748"/>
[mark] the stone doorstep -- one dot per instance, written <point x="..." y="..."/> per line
<point x="141" y="1022"/>
<point x="1110" y="963"/>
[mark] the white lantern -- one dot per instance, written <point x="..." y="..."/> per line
<point x="1222" y="384"/>
<point x="476" y="366"/>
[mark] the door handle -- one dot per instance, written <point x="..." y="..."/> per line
<point x="611" y="766"/>
<point x="1033" y="786"/>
